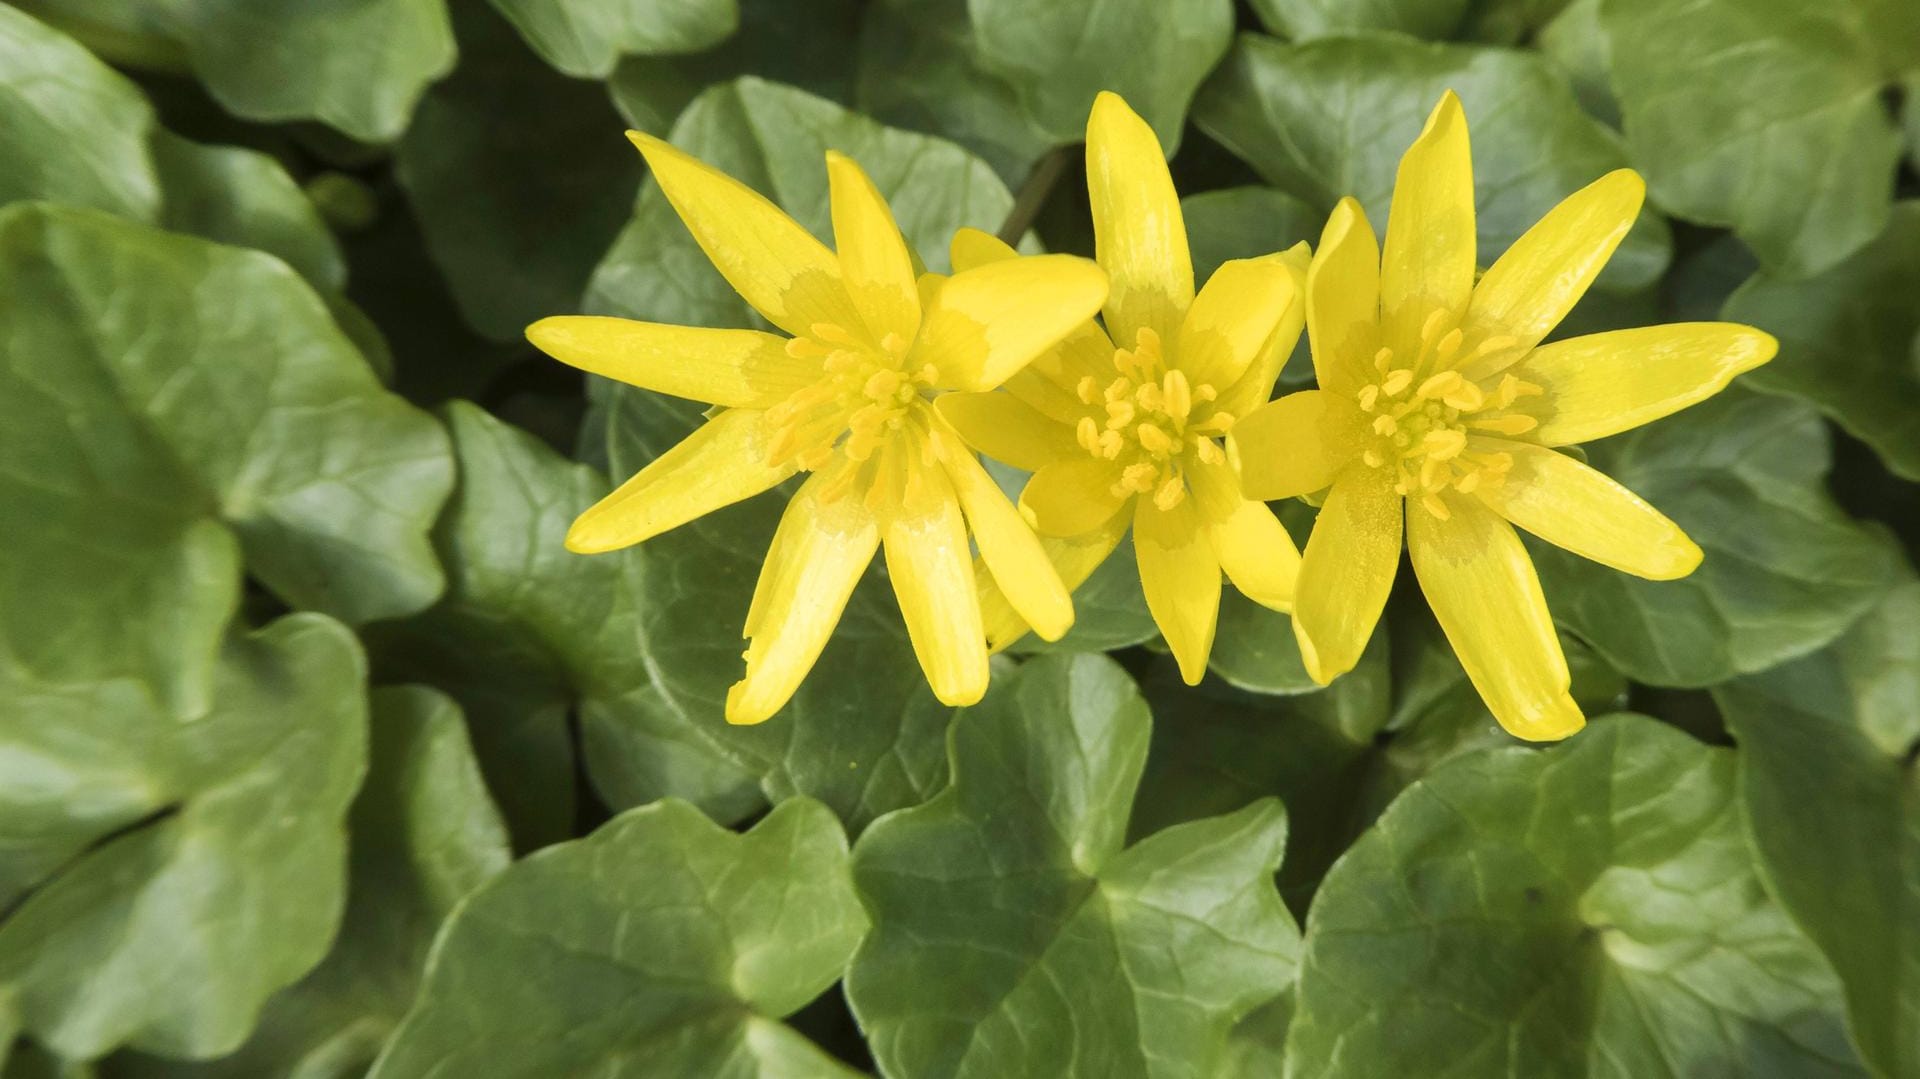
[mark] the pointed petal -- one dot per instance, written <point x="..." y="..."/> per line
<point x="1231" y="320"/>
<point x="719" y="464"/>
<point x="1343" y="301"/>
<point x="1347" y="571"/>
<point x="1181" y="579"/>
<point x="1606" y="383"/>
<point x="1570" y="505"/>
<point x="1008" y="547"/>
<point x="1072" y="496"/>
<point x="1296" y="445"/>
<point x="1531" y="287"/>
<point x="873" y="255"/>
<point x="972" y="247"/>
<point x="730" y="368"/>
<point x="1428" y="261"/>
<point x="1258" y="555"/>
<point x="1481" y="585"/>
<point x="773" y="263"/>
<point x="932" y="571"/>
<point x="1074" y="559"/>
<point x="1139" y="235"/>
<point x="1255" y="387"/>
<point x="984" y="324"/>
<point x="1007" y="429"/>
<point x="818" y="554"/>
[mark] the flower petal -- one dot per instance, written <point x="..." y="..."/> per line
<point x="971" y="247"/>
<point x="1255" y="387"/>
<point x="818" y="554"/>
<point x="1428" y="261"/>
<point x="1347" y="571"/>
<point x="1231" y="321"/>
<point x="1482" y="588"/>
<point x="984" y="324"/>
<point x="1606" y="383"/>
<point x="1530" y="288"/>
<point x="1570" y="505"/>
<point x="1258" y="555"/>
<point x="1139" y="235"/>
<point x="1007" y="429"/>
<point x="730" y="368"/>
<point x="1074" y="559"/>
<point x="773" y="263"/>
<point x="1008" y="547"/>
<point x="874" y="261"/>
<point x="1072" y="497"/>
<point x="932" y="571"/>
<point x="719" y="464"/>
<point x="1181" y="578"/>
<point x="1343" y="301"/>
<point x="1296" y="445"/>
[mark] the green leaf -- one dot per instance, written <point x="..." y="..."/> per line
<point x="156" y="384"/>
<point x="661" y="944"/>
<point x="1826" y="758"/>
<point x="357" y="67"/>
<point x="73" y="130"/>
<point x="1849" y="338"/>
<point x="1764" y="116"/>
<point x="165" y="877"/>
<point x="1786" y="571"/>
<point x="585" y="38"/>
<point x="423" y="834"/>
<point x="1304" y="20"/>
<point x="1588" y="909"/>
<point x="1245" y="222"/>
<point x="1331" y="118"/>
<point x="1074" y="956"/>
<point x="520" y="179"/>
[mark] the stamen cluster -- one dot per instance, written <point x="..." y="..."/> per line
<point x="866" y="394"/>
<point x="1148" y="420"/>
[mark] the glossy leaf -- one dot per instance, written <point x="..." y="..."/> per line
<point x="584" y="38"/>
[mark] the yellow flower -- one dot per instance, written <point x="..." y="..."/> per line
<point x="1130" y="434"/>
<point x="1437" y="396"/>
<point x="846" y="397"/>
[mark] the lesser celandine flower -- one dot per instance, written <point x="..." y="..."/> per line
<point x="846" y="397"/>
<point x="1122" y="426"/>
<point x="1438" y="403"/>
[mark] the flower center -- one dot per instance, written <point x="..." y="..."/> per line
<point x="1149" y="420"/>
<point x="864" y="396"/>
<point x="1421" y="421"/>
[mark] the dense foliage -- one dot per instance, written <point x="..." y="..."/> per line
<point x="319" y="754"/>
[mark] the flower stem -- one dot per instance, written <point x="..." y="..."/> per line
<point x="1033" y="194"/>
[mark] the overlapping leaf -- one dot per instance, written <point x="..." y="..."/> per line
<point x="584" y="38"/>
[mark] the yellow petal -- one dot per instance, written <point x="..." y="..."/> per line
<point x="1074" y="559"/>
<point x="986" y="323"/>
<point x="1255" y="387"/>
<point x="1072" y="497"/>
<point x="1478" y="580"/>
<point x="1296" y="445"/>
<point x="1139" y="236"/>
<point x="1530" y="288"/>
<point x="1231" y="320"/>
<point x="818" y="554"/>
<point x="1007" y="429"/>
<point x="1008" y="547"/>
<point x="1181" y="578"/>
<point x="1258" y="555"/>
<point x="773" y="263"/>
<point x="1215" y="488"/>
<point x="719" y="464"/>
<point x="1570" y="505"/>
<point x="932" y="571"/>
<point x="1427" y="264"/>
<point x="1343" y="301"/>
<point x="731" y="368"/>
<point x="1606" y="383"/>
<point x="874" y="261"/>
<point x="972" y="247"/>
<point x="1346" y="572"/>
